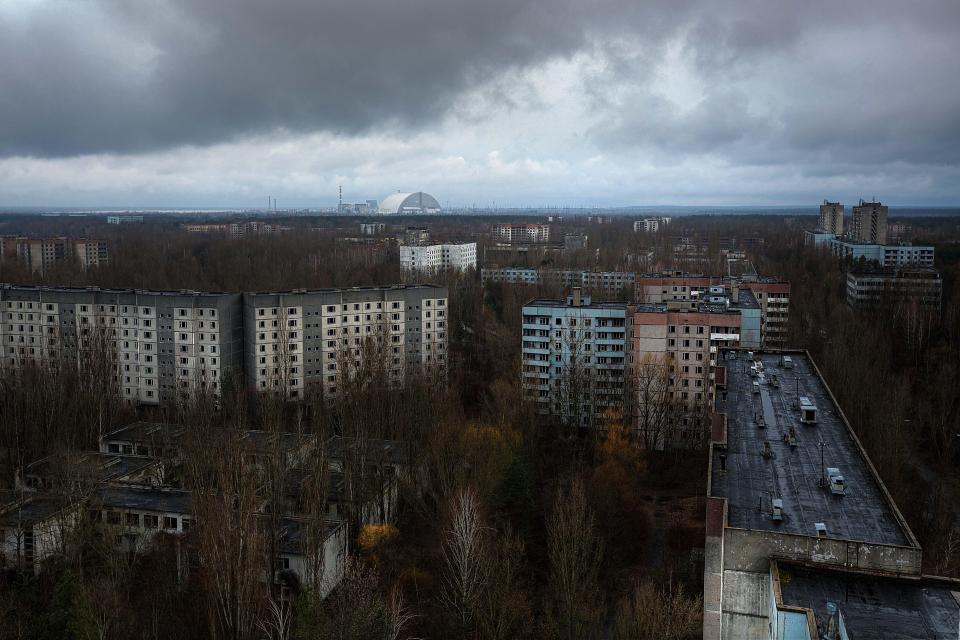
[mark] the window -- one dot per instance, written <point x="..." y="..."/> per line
<point x="133" y="519"/>
<point x="170" y="523"/>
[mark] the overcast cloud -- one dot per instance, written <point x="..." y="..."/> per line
<point x="222" y="102"/>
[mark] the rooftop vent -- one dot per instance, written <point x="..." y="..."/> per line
<point x="821" y="529"/>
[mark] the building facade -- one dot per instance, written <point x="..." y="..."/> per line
<point x="772" y="295"/>
<point x="514" y="232"/>
<point x="575" y="358"/>
<point x="301" y="339"/>
<point x="888" y="289"/>
<point x="650" y="225"/>
<point x="166" y="346"/>
<point x="869" y="223"/>
<point x="163" y="344"/>
<point x="831" y="218"/>
<point x="124" y="219"/>
<point x="894" y="255"/>
<point x="439" y="257"/>
<point x="39" y="254"/>
<point x="610" y="283"/>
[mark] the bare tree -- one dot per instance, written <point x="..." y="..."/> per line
<point x="575" y="552"/>
<point x="649" y="613"/>
<point x="463" y="574"/>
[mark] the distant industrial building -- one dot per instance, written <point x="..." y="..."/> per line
<point x="439" y="257"/>
<point x="368" y="208"/>
<point x="831" y="218"/>
<point x="869" y="223"/>
<point x="516" y="233"/>
<point x="575" y="358"/>
<point x="124" y="219"/>
<point x="650" y="225"/>
<point x="675" y="347"/>
<point x="891" y="288"/>
<point x="40" y="254"/>
<point x="410" y="204"/>
<point x="789" y="482"/>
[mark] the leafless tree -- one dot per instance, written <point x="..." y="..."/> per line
<point x="575" y="553"/>
<point x="463" y="573"/>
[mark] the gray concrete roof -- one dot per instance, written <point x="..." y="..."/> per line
<point x="792" y="473"/>
<point x="875" y="608"/>
<point x="146" y="499"/>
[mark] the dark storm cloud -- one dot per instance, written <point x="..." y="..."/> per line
<point x="83" y="77"/>
<point x="124" y="76"/>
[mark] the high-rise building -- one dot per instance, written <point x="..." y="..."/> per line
<point x="831" y="218"/>
<point x="298" y="339"/>
<point x="869" y="223"/>
<point x="167" y="345"/>
<point x="40" y="254"/>
<point x="163" y="344"/>
<point x="575" y="358"/>
<point x="771" y="294"/>
<point x="513" y="232"/>
<point x="439" y="257"/>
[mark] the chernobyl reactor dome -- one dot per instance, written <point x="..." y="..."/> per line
<point x="403" y="203"/>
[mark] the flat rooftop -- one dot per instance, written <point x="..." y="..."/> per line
<point x="552" y="302"/>
<point x="146" y="432"/>
<point x="792" y="473"/>
<point x="875" y="608"/>
<point x="146" y="499"/>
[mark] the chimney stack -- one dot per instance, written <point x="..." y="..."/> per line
<point x="576" y="296"/>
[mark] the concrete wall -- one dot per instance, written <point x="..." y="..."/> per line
<point x="751" y="550"/>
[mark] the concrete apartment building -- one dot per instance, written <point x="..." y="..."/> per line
<point x="40" y="254"/>
<point x="124" y="219"/>
<point x="891" y="289"/>
<point x="297" y="339"/>
<point x="518" y="232"/>
<point x="439" y="257"/>
<point x="831" y="218"/>
<point x="675" y="347"/>
<point x="789" y="482"/>
<point x="869" y="223"/>
<point x="165" y="344"/>
<point x="772" y="295"/>
<point x="650" y="225"/>
<point x="894" y="255"/>
<point x="575" y="357"/>
<point x="610" y="283"/>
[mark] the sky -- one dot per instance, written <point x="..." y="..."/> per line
<point x="212" y="103"/>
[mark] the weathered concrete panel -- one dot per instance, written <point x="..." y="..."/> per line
<point x="747" y="550"/>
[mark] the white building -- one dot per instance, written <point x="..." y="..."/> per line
<point x="124" y="219"/>
<point x="409" y="203"/>
<point x="439" y="257"/>
<point x="510" y="232"/>
<point x="650" y="225"/>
